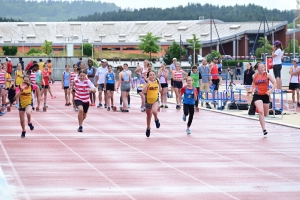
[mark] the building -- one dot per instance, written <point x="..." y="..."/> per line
<point x="237" y="38"/>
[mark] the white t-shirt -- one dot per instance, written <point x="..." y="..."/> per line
<point x="294" y="78"/>
<point x="101" y="72"/>
<point x="277" y="58"/>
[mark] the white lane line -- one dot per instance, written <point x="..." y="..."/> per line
<point x="88" y="163"/>
<point x="162" y="162"/>
<point x="14" y="171"/>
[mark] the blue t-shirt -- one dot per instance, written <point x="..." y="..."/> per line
<point x="66" y="79"/>
<point x="188" y="96"/>
<point x="126" y="77"/>
<point x="110" y="79"/>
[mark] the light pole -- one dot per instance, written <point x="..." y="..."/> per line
<point x="294" y="34"/>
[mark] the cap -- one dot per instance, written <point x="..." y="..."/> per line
<point x="295" y="60"/>
<point x="174" y="58"/>
<point x="216" y="58"/>
<point x="103" y="60"/>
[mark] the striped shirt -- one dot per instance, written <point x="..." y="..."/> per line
<point x="33" y="77"/>
<point x="82" y="90"/>
<point x="2" y="77"/>
<point x="178" y="74"/>
<point x="73" y="76"/>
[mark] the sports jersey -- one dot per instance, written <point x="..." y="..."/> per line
<point x="152" y="92"/>
<point x="110" y="78"/>
<point x="82" y="90"/>
<point x="189" y="95"/>
<point x="26" y="95"/>
<point x="46" y="77"/>
<point x="261" y="84"/>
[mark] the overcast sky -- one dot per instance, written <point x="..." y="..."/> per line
<point x="279" y="4"/>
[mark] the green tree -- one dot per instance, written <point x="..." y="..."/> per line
<point x="259" y="51"/>
<point x="10" y="50"/>
<point x="149" y="44"/>
<point x="34" y="51"/>
<point x="214" y="54"/>
<point x="173" y="51"/>
<point x="290" y="47"/>
<point x="87" y="49"/>
<point x="47" y="47"/>
<point x="195" y="45"/>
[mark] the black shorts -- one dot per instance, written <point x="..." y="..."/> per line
<point x="216" y="83"/>
<point x="66" y="87"/>
<point x="177" y="84"/>
<point x="110" y="87"/>
<point x="294" y="86"/>
<point x="276" y="70"/>
<point x="238" y="72"/>
<point x="45" y="86"/>
<point x="84" y="105"/>
<point x="164" y="85"/>
<point x="265" y="98"/>
<point x="172" y="82"/>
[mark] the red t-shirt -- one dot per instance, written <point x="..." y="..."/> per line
<point x="28" y="66"/>
<point x="9" y="67"/>
<point x="214" y="71"/>
<point x="46" y="75"/>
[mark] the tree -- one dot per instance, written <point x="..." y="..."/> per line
<point x="214" y="54"/>
<point x="195" y="45"/>
<point x="47" y="47"/>
<point x="10" y="50"/>
<point x="87" y="49"/>
<point x="173" y="51"/>
<point x="259" y="51"/>
<point x="290" y="47"/>
<point x="149" y="44"/>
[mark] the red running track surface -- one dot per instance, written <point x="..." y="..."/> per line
<point x="225" y="157"/>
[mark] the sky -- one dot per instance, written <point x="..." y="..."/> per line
<point x="278" y="4"/>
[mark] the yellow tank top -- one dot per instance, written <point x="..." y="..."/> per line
<point x="152" y="92"/>
<point x="26" y="97"/>
<point x="7" y="84"/>
<point x="19" y="80"/>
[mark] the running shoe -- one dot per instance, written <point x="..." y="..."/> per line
<point x="147" y="132"/>
<point x="177" y="106"/>
<point x="128" y="106"/>
<point x="76" y="109"/>
<point x="298" y="104"/>
<point x="31" y="126"/>
<point x="66" y="104"/>
<point x="99" y="105"/>
<point x="105" y="106"/>
<point x="265" y="132"/>
<point x="166" y="106"/>
<point x="183" y="117"/>
<point x="143" y="109"/>
<point x="79" y="129"/>
<point x="45" y="105"/>
<point x="23" y="134"/>
<point x="17" y="105"/>
<point x="161" y="106"/>
<point x="112" y="107"/>
<point x="188" y="131"/>
<point x="157" y="123"/>
<point x="108" y="109"/>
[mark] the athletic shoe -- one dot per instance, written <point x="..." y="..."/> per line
<point x="76" y="109"/>
<point x="143" y="109"/>
<point x="147" y="132"/>
<point x="108" y="109"/>
<point x="265" y="132"/>
<point x="112" y="107"/>
<point x="177" y="106"/>
<point x="183" y="117"/>
<point x="45" y="105"/>
<point x="188" y="131"/>
<point x="298" y="104"/>
<point x="166" y="106"/>
<point x="66" y="104"/>
<point x="23" y="134"/>
<point x="157" y="123"/>
<point x="105" y="106"/>
<point x="79" y="129"/>
<point x="99" y="105"/>
<point x="31" y="126"/>
<point x="128" y="106"/>
<point x="161" y="106"/>
<point x="17" y="105"/>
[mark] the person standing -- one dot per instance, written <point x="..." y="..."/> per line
<point x="277" y="55"/>
<point x="206" y="78"/>
<point x="163" y="74"/>
<point x="178" y="75"/>
<point x="91" y="71"/>
<point x="22" y="63"/>
<point x="260" y="89"/>
<point x="66" y="84"/>
<point x="2" y="89"/>
<point x="41" y="65"/>
<point x="100" y="75"/>
<point x="295" y="81"/>
<point x="109" y="87"/>
<point x="248" y="79"/>
<point x="9" y="65"/>
<point x="215" y="81"/>
<point x="172" y="68"/>
<point x="238" y="71"/>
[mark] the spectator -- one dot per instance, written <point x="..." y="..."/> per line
<point x="8" y="65"/>
<point x="21" y="62"/>
<point x="238" y="71"/>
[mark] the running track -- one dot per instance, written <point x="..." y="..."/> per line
<point x="225" y="157"/>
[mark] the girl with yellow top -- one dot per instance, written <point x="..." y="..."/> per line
<point x="151" y="90"/>
<point x="24" y="94"/>
<point x="19" y="74"/>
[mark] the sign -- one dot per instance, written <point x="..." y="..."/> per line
<point x="70" y="50"/>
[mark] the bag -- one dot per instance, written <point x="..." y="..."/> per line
<point x="269" y="63"/>
<point x="238" y="106"/>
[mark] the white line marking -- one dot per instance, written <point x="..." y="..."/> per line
<point x="14" y="171"/>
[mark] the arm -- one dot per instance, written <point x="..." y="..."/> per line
<point x="182" y="90"/>
<point x="274" y="53"/>
<point x="17" y="95"/>
<point x="15" y="77"/>
<point x="120" y="80"/>
<point x="62" y="81"/>
<point x="92" y="88"/>
<point x="96" y="79"/>
<point x="131" y="81"/>
<point x="38" y="92"/>
<point x="167" y="74"/>
<point x="200" y="79"/>
<point x="185" y="74"/>
<point x="273" y="82"/>
<point x="138" y="70"/>
<point x="195" y="94"/>
<point x="105" y="82"/>
<point x="145" y="88"/>
<point x="94" y="72"/>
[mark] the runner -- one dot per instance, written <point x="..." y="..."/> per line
<point x="151" y="90"/>
<point x="109" y="87"/>
<point x="49" y="64"/>
<point x="125" y="80"/>
<point x="91" y="71"/>
<point x="45" y="83"/>
<point x="177" y="75"/>
<point x="66" y="84"/>
<point x="82" y="88"/>
<point x="260" y="87"/>
<point x="197" y="82"/>
<point x="163" y="74"/>
<point x="74" y="75"/>
<point x="24" y="93"/>
<point x="190" y="94"/>
<point x="294" y="81"/>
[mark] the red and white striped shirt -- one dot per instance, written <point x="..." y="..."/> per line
<point x="82" y="90"/>
<point x="73" y="76"/>
<point x="33" y="77"/>
<point x="178" y="74"/>
<point x="2" y="77"/>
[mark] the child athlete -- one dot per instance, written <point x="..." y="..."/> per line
<point x="190" y="94"/>
<point x="109" y="87"/>
<point x="151" y="90"/>
<point x="66" y="84"/>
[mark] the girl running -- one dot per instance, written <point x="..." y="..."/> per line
<point x="197" y="81"/>
<point x="190" y="96"/>
<point x="91" y="71"/>
<point x="261" y="95"/>
<point x="45" y="83"/>
<point x="178" y="77"/>
<point x="151" y="90"/>
<point x="74" y="75"/>
<point x="82" y="87"/>
<point x="109" y="87"/>
<point x="66" y="84"/>
<point x="163" y="74"/>
<point x="24" y="94"/>
<point x="2" y="89"/>
<point x="125" y="80"/>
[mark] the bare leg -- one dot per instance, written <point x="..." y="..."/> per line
<point x="80" y="115"/>
<point x="22" y="120"/>
<point x="124" y="99"/>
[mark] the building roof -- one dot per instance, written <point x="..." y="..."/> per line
<point x="125" y="32"/>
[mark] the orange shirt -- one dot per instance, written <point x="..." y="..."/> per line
<point x="50" y="67"/>
<point x="214" y="71"/>
<point x="261" y="83"/>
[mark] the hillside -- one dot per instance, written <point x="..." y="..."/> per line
<point x="51" y="11"/>
<point x="192" y="11"/>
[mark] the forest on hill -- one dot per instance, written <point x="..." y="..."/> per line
<point x="4" y="19"/>
<point x="192" y="11"/>
<point x="51" y="10"/>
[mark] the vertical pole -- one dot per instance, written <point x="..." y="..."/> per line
<point x="82" y="47"/>
<point x="211" y="37"/>
<point x="180" y="50"/>
<point x="264" y="38"/>
<point x="294" y="50"/>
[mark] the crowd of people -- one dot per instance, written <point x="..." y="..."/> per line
<point x="29" y="89"/>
